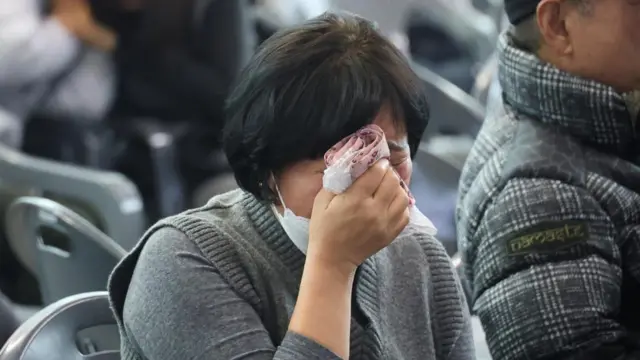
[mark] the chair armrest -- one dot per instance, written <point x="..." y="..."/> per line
<point x="112" y="196"/>
<point x="30" y="210"/>
<point x="83" y="310"/>
<point x="451" y="107"/>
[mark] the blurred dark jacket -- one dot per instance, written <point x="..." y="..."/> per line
<point x="182" y="71"/>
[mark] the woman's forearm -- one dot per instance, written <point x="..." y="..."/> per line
<point x="323" y="307"/>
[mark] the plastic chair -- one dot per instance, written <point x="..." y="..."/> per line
<point x="451" y="38"/>
<point x="434" y="185"/>
<point x="493" y="8"/>
<point x="452" y="111"/>
<point x="110" y="199"/>
<point x="8" y="320"/>
<point x="10" y="129"/>
<point x="155" y="167"/>
<point x="79" y="327"/>
<point x="72" y="142"/>
<point x="12" y="315"/>
<point x="434" y="48"/>
<point x="168" y="160"/>
<point x="465" y="25"/>
<point x="73" y="255"/>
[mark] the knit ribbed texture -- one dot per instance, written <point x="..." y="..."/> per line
<point x="408" y="294"/>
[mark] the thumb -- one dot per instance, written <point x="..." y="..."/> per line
<point x="322" y="200"/>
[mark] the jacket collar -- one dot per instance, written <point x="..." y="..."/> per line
<point x="589" y="111"/>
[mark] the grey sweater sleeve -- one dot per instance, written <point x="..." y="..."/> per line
<point x="178" y="306"/>
<point x="463" y="347"/>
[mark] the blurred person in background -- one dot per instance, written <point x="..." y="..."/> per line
<point x="54" y="62"/>
<point x="281" y="13"/>
<point x="458" y="17"/>
<point x="177" y="58"/>
<point x="232" y="280"/>
<point x="175" y="62"/>
<point x="548" y="214"/>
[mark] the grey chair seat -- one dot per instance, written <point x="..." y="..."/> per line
<point x="111" y="200"/>
<point x="79" y="327"/>
<point x="73" y="256"/>
<point x="10" y="129"/>
<point x="24" y="312"/>
<point x="12" y="315"/>
<point x="9" y="322"/>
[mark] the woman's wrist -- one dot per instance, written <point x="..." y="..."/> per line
<point x="323" y="307"/>
<point x="341" y="271"/>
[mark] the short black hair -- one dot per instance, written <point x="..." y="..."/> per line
<point x="310" y="85"/>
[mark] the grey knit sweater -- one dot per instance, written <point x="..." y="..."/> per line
<point x="220" y="282"/>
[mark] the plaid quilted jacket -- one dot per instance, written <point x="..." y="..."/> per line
<point x="549" y="217"/>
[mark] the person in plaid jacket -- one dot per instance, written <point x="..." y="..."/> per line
<point x="549" y="207"/>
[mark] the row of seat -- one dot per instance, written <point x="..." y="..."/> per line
<point x="164" y="182"/>
<point x="82" y="221"/>
<point x="72" y="255"/>
<point x="79" y="327"/>
<point x="82" y="327"/>
<point x="105" y="199"/>
<point x="58" y="244"/>
<point x="75" y="257"/>
<point x="113" y="204"/>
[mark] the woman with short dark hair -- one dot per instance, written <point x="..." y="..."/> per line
<point x="285" y="269"/>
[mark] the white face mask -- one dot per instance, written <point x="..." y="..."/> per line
<point x="296" y="227"/>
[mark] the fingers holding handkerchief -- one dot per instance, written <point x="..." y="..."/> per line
<point x="353" y="156"/>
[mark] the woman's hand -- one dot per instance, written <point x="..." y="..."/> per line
<point x="347" y="228"/>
